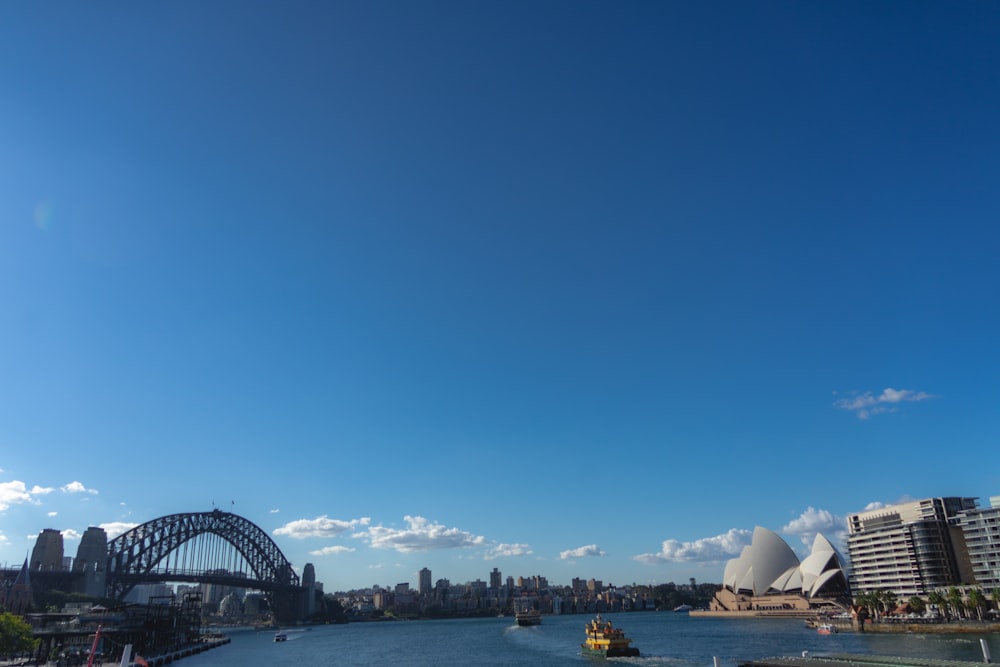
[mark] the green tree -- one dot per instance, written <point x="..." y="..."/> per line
<point x="869" y="601"/>
<point x="889" y="601"/>
<point x="917" y="605"/>
<point x="935" y="598"/>
<point x="954" y="598"/>
<point x="15" y="635"/>
<point x="976" y="600"/>
<point x="877" y="603"/>
<point x="995" y="596"/>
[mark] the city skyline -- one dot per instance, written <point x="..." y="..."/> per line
<point x="583" y="290"/>
<point x="806" y="525"/>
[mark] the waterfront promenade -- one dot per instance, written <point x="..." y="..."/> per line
<point x="886" y="625"/>
<point x="207" y="642"/>
<point x="925" y="628"/>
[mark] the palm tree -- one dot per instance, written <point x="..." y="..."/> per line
<point x="976" y="600"/>
<point x="935" y="598"/>
<point x="917" y="605"/>
<point x="955" y="601"/>
<point x="996" y="598"/>
<point x="864" y="600"/>
<point x="881" y="602"/>
<point x="890" y="601"/>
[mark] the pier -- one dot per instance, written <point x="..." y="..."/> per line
<point x="207" y="642"/>
<point x="852" y="660"/>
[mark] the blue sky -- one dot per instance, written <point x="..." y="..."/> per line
<point x="578" y="289"/>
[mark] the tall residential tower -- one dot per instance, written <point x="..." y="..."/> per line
<point x="910" y="549"/>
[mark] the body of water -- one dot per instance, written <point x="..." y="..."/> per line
<point x="664" y="638"/>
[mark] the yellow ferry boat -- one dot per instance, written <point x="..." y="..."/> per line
<point x="606" y="640"/>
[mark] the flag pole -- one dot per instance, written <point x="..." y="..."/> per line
<point x="93" y="647"/>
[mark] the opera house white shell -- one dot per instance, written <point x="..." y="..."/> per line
<point x="769" y="567"/>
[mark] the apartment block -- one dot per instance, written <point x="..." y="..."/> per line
<point x="981" y="530"/>
<point x="911" y="548"/>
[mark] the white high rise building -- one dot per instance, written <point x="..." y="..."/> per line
<point x="910" y="549"/>
<point x="982" y="540"/>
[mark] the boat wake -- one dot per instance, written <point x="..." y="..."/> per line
<point x="652" y="661"/>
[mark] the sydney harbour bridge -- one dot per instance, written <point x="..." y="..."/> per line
<point x="214" y="547"/>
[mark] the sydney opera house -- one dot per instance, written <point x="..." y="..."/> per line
<point x="768" y="578"/>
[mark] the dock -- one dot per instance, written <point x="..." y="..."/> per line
<point x="207" y="643"/>
<point x="851" y="660"/>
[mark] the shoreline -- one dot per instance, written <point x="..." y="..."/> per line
<point x="899" y="627"/>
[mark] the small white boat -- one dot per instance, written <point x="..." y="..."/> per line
<point x="280" y="637"/>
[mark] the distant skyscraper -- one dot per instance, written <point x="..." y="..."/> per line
<point x="496" y="580"/>
<point x="911" y="548"/>
<point x="425" y="582"/>
<point x="309" y="584"/>
<point x="47" y="556"/>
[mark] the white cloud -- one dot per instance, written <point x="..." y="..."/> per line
<point x="116" y="528"/>
<point x="878" y="504"/>
<point x="706" y="550"/>
<point x="814" y="521"/>
<point x="77" y="487"/>
<point x="275" y="511"/>
<point x="3" y="539"/>
<point x="419" y="535"/>
<point x="580" y="552"/>
<point x="70" y="534"/>
<point x="52" y="514"/>
<point x="867" y="404"/>
<point x="321" y="526"/>
<point x="326" y="551"/>
<point x="502" y="550"/>
<point x="16" y="492"/>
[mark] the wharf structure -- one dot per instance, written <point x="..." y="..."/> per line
<point x="163" y="627"/>
<point x="854" y="660"/>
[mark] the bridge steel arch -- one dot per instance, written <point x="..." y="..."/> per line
<point x="142" y="555"/>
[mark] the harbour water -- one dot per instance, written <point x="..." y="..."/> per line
<point x="664" y="638"/>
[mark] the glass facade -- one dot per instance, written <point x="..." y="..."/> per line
<point x="908" y="548"/>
